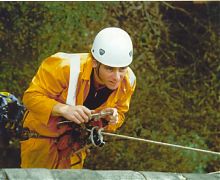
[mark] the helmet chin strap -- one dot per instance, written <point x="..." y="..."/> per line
<point x="97" y="72"/>
<point x="97" y="69"/>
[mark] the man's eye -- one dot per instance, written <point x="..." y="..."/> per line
<point x="123" y="68"/>
<point x="109" y="68"/>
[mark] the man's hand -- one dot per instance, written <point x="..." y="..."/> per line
<point x="112" y="119"/>
<point x="78" y="114"/>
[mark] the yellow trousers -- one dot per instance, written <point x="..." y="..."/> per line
<point x="46" y="153"/>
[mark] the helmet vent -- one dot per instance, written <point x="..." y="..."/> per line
<point x="130" y="53"/>
<point x="101" y="52"/>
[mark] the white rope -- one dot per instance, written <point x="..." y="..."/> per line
<point x="160" y="143"/>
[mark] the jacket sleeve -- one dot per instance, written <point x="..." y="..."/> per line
<point x="122" y="106"/>
<point x="45" y="88"/>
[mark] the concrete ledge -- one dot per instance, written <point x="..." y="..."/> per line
<point x="85" y="174"/>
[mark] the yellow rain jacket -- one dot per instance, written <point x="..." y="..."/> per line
<point x="50" y="86"/>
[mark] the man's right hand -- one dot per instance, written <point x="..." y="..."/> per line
<point x="78" y="114"/>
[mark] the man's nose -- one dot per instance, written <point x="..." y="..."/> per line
<point x="117" y="75"/>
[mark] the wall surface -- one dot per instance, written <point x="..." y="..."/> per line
<point x="45" y="174"/>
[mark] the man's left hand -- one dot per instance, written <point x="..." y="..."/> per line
<point x="112" y="119"/>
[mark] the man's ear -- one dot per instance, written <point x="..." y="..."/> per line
<point x="94" y="63"/>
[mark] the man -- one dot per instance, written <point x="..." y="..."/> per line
<point x="74" y="86"/>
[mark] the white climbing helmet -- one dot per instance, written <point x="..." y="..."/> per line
<point x="113" y="47"/>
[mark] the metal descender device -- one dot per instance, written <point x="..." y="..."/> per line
<point x="94" y="117"/>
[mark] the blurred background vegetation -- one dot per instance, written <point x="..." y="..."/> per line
<point x="176" y="61"/>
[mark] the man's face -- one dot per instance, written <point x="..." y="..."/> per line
<point x="110" y="76"/>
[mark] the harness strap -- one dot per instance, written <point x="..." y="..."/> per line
<point x="74" y="60"/>
<point x="74" y="74"/>
<point x="26" y="134"/>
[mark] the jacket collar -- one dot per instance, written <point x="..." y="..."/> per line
<point x="87" y="67"/>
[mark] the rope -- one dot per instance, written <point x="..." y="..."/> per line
<point x="160" y="143"/>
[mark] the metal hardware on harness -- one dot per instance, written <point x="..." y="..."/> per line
<point x="94" y="117"/>
<point x="96" y="136"/>
<point x="99" y="115"/>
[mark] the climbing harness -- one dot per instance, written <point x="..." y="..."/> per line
<point x="89" y="133"/>
<point x="85" y="136"/>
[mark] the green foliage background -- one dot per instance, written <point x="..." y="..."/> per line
<point x="176" y="61"/>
